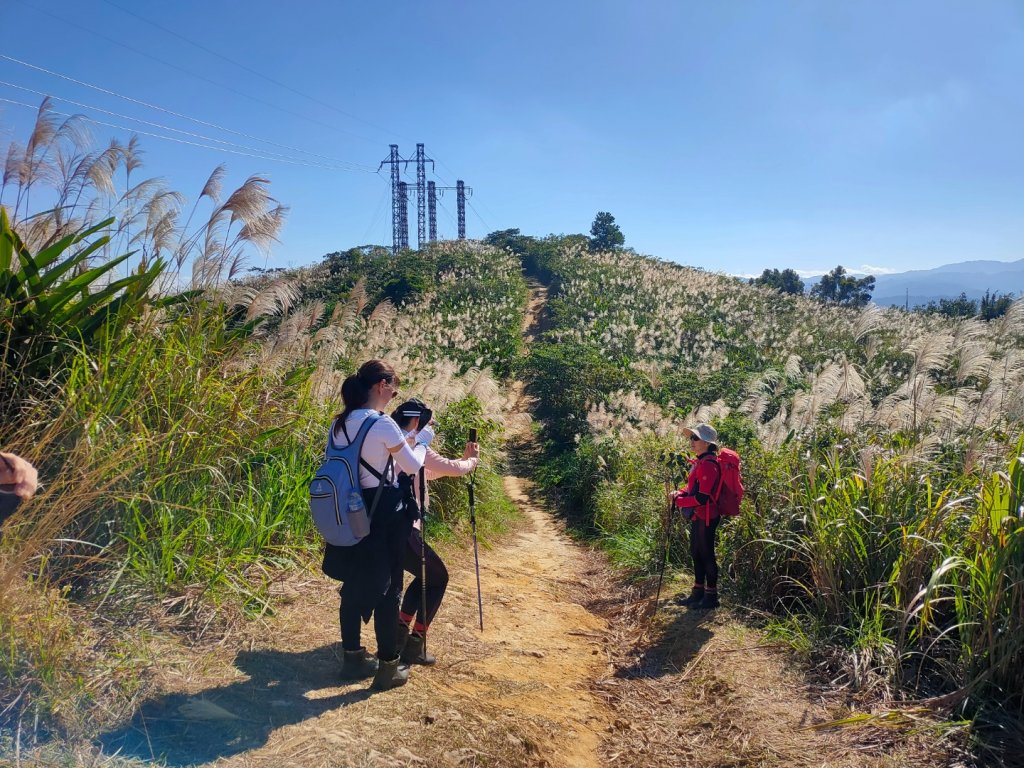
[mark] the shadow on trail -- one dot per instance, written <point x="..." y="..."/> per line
<point x="678" y="643"/>
<point x="184" y="730"/>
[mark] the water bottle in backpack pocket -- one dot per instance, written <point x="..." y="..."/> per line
<point x="335" y="498"/>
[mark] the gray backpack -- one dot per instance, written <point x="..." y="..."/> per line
<point x="335" y="498"/>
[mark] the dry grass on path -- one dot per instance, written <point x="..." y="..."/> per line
<point x="568" y="672"/>
<point x="702" y="689"/>
<point x="516" y="694"/>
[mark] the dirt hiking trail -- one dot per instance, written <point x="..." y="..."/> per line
<point x="569" y="671"/>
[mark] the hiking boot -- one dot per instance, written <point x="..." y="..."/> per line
<point x="358" y="665"/>
<point x="415" y="651"/>
<point x="710" y="601"/>
<point x="390" y="674"/>
<point x="696" y="595"/>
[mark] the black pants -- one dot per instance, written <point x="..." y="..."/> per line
<point x="702" y="548"/>
<point x="437" y="580"/>
<point x="372" y="574"/>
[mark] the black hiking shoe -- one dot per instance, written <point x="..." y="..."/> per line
<point x="358" y="665"/>
<point x="415" y="651"/>
<point x="696" y="595"/>
<point x="390" y="674"/>
<point x="710" y="601"/>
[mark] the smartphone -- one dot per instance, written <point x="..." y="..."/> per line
<point x="472" y="434"/>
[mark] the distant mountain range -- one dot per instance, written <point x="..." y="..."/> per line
<point x="920" y="286"/>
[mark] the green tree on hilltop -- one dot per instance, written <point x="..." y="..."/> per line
<point x="839" y="287"/>
<point x="786" y="281"/>
<point x="605" y="234"/>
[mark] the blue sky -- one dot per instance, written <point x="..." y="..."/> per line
<point x="733" y="136"/>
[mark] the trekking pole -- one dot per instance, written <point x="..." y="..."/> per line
<point x="668" y="540"/>
<point x="423" y="555"/>
<point x="472" y="522"/>
<point x="476" y="549"/>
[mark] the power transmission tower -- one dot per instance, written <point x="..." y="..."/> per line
<point x="461" y="191"/>
<point x="397" y="199"/>
<point x="426" y="201"/>
<point x="403" y="216"/>
<point x="432" y="210"/>
<point x="460" y="202"/>
<point x="421" y="190"/>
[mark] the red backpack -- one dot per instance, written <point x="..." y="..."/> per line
<point x="730" y="484"/>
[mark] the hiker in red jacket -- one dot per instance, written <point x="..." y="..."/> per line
<point x="699" y="509"/>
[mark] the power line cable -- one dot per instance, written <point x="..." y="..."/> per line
<point x="172" y="138"/>
<point x="250" y="70"/>
<point x="343" y="165"/>
<point x="452" y="216"/>
<point x="167" y="111"/>
<point x="194" y="74"/>
<point x="377" y="214"/>
<point x="448" y="184"/>
<point x="475" y="211"/>
<point x="158" y="108"/>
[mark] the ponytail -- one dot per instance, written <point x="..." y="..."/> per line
<point x="355" y="390"/>
<point x="354" y="394"/>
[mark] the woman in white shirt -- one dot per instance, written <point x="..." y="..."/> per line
<point x="371" y="571"/>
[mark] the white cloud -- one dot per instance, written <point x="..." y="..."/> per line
<point x="868" y="269"/>
<point x="863" y="269"/>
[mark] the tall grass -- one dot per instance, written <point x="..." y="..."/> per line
<point x="883" y="521"/>
<point x="176" y="413"/>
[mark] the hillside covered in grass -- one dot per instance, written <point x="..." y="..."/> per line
<point x="176" y="404"/>
<point x="882" y="528"/>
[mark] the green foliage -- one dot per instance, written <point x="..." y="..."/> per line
<point x="537" y="254"/>
<point x="212" y="463"/>
<point x="994" y="305"/>
<point x="475" y="294"/>
<point x="960" y="307"/>
<point x="686" y="390"/>
<point x="786" y="281"/>
<point x="605" y="234"/>
<point x="55" y="295"/>
<point x="449" y="507"/>
<point x="856" y="535"/>
<point x="837" y="287"/>
<point x="566" y="379"/>
<point x="401" y="278"/>
<point x="512" y="239"/>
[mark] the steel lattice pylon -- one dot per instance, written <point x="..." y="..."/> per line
<point x="397" y="201"/>
<point x="421" y="191"/>
<point x="403" y="215"/>
<point x="460" y="201"/>
<point x="432" y="211"/>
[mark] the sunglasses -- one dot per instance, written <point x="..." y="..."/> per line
<point x="694" y="439"/>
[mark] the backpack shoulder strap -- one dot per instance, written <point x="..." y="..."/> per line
<point x="716" y="491"/>
<point x="332" y="449"/>
<point x="360" y="435"/>
<point x="389" y="468"/>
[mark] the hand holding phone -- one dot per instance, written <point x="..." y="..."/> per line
<point x="472" y="447"/>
